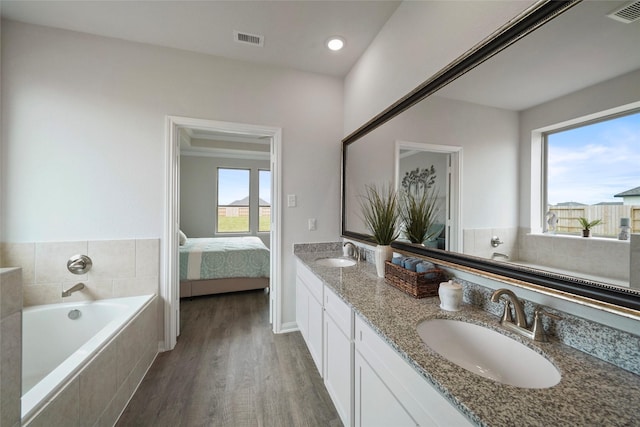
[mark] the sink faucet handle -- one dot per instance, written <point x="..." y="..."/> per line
<point x="540" y="310"/>
<point x="538" y="330"/>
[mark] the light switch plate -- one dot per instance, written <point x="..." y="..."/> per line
<point x="291" y="200"/>
<point x="312" y="224"/>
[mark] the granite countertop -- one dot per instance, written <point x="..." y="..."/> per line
<point x="591" y="391"/>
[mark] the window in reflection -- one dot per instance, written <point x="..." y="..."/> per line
<point x="592" y="173"/>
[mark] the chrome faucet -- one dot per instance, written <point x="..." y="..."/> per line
<point x="520" y="326"/>
<point x="499" y="255"/>
<point x="73" y="289"/>
<point x="354" y="250"/>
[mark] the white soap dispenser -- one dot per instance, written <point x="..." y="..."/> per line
<point x="450" y="296"/>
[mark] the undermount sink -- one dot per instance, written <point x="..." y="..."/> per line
<point x="488" y="353"/>
<point x="336" y="262"/>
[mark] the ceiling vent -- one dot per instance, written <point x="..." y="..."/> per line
<point x="246" y="38"/>
<point x="627" y="13"/>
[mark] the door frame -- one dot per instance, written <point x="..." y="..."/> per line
<point x="169" y="279"/>
<point x="453" y="183"/>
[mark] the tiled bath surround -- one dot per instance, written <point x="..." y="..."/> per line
<point x="593" y="256"/>
<point x="101" y="390"/>
<point x="120" y="268"/>
<point x="617" y="347"/>
<point x="10" y="346"/>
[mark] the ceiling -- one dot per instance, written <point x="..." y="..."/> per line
<point x="294" y="32"/>
<point x="578" y="49"/>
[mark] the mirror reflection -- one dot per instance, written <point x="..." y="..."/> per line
<point x="574" y="70"/>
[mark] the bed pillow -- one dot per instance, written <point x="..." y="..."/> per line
<point x="183" y="238"/>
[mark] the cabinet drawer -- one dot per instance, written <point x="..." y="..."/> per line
<point x="339" y="311"/>
<point x="313" y="284"/>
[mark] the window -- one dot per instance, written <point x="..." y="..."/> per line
<point x="264" y="216"/>
<point x="233" y="200"/>
<point x="592" y="171"/>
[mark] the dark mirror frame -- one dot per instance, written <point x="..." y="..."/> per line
<point x="529" y="21"/>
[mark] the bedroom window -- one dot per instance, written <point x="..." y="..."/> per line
<point x="233" y="200"/>
<point x="264" y="216"/>
<point x="592" y="172"/>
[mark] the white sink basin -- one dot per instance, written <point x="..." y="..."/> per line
<point x="336" y="262"/>
<point x="488" y="353"/>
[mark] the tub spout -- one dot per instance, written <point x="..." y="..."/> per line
<point x="73" y="289"/>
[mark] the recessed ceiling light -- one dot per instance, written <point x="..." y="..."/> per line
<point x="335" y="43"/>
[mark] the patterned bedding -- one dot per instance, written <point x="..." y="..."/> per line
<point x="223" y="257"/>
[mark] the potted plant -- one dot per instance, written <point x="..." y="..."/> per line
<point x="380" y="212"/>
<point x="418" y="210"/>
<point x="587" y="225"/>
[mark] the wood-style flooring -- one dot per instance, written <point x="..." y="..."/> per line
<point x="229" y="369"/>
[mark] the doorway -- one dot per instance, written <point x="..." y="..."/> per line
<point x="169" y="290"/>
<point x="448" y="159"/>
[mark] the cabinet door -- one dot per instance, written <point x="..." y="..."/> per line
<point x="302" y="308"/>
<point x="337" y="368"/>
<point x="314" y="333"/>
<point x="375" y="404"/>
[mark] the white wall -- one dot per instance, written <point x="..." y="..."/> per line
<point x="489" y="137"/>
<point x="419" y="39"/>
<point x="198" y="192"/>
<point x="84" y="132"/>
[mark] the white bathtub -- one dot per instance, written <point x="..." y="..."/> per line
<point x="55" y="348"/>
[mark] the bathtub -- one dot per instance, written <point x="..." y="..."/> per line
<point x="59" y="340"/>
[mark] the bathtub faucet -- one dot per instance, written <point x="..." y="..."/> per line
<point x="75" y="288"/>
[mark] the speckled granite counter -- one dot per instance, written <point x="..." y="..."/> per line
<point x="591" y="393"/>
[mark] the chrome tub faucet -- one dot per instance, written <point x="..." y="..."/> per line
<point x="75" y="288"/>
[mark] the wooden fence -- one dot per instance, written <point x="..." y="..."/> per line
<point x="242" y="211"/>
<point x="609" y="214"/>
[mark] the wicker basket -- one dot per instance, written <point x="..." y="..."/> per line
<point x="418" y="285"/>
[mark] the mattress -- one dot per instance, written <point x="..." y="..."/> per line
<point x="223" y="257"/>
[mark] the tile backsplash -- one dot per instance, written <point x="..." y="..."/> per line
<point x="120" y="268"/>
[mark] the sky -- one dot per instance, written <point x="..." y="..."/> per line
<point x="592" y="163"/>
<point x="233" y="185"/>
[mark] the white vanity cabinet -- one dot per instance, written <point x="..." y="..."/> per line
<point x="388" y="391"/>
<point x="338" y="354"/>
<point x="309" y="311"/>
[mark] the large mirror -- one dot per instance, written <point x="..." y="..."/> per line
<point x="495" y="105"/>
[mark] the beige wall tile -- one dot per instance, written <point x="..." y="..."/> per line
<point x="10" y="291"/>
<point x="97" y="385"/>
<point x="148" y="258"/>
<point x="127" y="351"/>
<point x="112" y="259"/>
<point x="20" y="255"/>
<point x="64" y="411"/>
<point x="51" y="261"/>
<point x="47" y="293"/>
<point x="136" y="286"/>
<point x="10" y="369"/>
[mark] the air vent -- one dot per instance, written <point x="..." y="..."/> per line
<point x="246" y="38"/>
<point x="627" y="13"/>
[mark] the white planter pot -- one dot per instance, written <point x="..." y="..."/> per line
<point x="382" y="254"/>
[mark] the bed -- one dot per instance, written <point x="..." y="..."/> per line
<point x="222" y="264"/>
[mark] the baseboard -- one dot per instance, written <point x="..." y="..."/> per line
<point x="289" y="327"/>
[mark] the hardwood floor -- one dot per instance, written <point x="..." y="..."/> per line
<point x="229" y="369"/>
